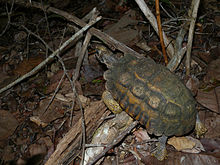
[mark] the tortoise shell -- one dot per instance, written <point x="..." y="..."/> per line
<point x="151" y="94"/>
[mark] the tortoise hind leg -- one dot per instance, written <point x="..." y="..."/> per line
<point x="200" y="128"/>
<point x="110" y="102"/>
<point x="160" y="151"/>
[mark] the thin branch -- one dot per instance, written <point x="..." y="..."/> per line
<point x="195" y="6"/>
<point x="160" y="31"/>
<point x="149" y="15"/>
<point x="108" y="40"/>
<point x="48" y="26"/>
<point x="9" y="17"/>
<point x="80" y="59"/>
<point x="42" y="64"/>
<point x="179" y="51"/>
<point x="76" y="75"/>
<point x="165" y="11"/>
<point x="37" y="36"/>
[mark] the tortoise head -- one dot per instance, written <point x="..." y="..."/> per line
<point x="105" y="56"/>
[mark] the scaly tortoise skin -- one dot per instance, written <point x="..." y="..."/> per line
<point x="151" y="94"/>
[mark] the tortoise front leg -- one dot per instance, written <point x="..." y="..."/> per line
<point x="110" y="102"/>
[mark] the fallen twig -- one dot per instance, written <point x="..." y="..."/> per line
<point x="9" y="18"/>
<point x="69" y="147"/>
<point x="108" y="40"/>
<point x="179" y="51"/>
<point x="75" y="76"/>
<point x="42" y="64"/>
<point x="149" y="15"/>
<point x="160" y="31"/>
<point x="193" y="14"/>
<point x="115" y="142"/>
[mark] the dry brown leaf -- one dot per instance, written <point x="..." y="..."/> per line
<point x="213" y="71"/>
<point x="6" y="79"/>
<point x="211" y="144"/>
<point x="8" y="124"/>
<point x="180" y="158"/>
<point x="193" y="85"/>
<point x="69" y="97"/>
<point x="212" y="123"/>
<point x="210" y="99"/>
<point x="27" y="65"/>
<point x="122" y="30"/>
<point x="181" y="143"/>
<point x="197" y="148"/>
<point x="56" y="110"/>
<point x="36" y="149"/>
<point x="37" y="120"/>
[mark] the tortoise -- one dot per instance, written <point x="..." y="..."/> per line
<point x="151" y="94"/>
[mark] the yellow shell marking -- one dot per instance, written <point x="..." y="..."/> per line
<point x="148" y="123"/>
<point x="133" y="110"/>
<point x="150" y="113"/>
<point x="123" y="91"/>
<point x="138" y="116"/>
<point x="171" y="101"/>
<point x="133" y="99"/>
<point x="153" y="88"/>
<point x="138" y="77"/>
